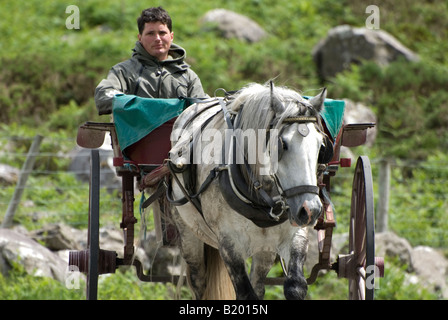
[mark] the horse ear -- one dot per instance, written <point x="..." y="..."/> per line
<point x="276" y="104"/>
<point x="318" y="101"/>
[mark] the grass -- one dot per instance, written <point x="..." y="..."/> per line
<point x="48" y="74"/>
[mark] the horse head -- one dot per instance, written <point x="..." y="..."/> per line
<point x="300" y="141"/>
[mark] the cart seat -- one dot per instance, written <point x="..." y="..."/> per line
<point x="144" y="127"/>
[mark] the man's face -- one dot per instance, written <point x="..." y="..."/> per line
<point x="156" y="38"/>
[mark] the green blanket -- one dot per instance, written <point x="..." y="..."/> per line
<point x="136" y="117"/>
<point x="333" y="115"/>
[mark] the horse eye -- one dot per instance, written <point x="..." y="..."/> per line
<point x="282" y="146"/>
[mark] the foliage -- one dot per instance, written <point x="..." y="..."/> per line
<point x="18" y="285"/>
<point x="410" y="100"/>
<point x="48" y="75"/>
<point x="394" y="286"/>
<point x="418" y="207"/>
<point x="123" y="285"/>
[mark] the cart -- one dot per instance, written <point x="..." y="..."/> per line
<point x="359" y="265"/>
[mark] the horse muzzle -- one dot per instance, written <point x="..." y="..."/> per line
<point x="307" y="213"/>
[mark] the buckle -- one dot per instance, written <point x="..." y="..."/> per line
<point x="257" y="185"/>
<point x="283" y="207"/>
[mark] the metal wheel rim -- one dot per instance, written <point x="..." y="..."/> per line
<point x="361" y="236"/>
<point x="94" y="226"/>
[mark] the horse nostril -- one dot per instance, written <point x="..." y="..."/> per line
<point x="304" y="216"/>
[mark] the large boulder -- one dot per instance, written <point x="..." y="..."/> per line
<point x="232" y="25"/>
<point x="80" y="165"/>
<point x="356" y="112"/>
<point x="59" y="237"/>
<point x="388" y="244"/>
<point x="37" y="260"/>
<point x="345" y="45"/>
<point x="431" y="267"/>
<point x="8" y="175"/>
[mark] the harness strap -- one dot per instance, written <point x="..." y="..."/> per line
<point x="160" y="190"/>
<point x="256" y="185"/>
<point x="291" y="192"/>
<point x="194" y="198"/>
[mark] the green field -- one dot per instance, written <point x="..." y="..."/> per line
<point x="48" y="74"/>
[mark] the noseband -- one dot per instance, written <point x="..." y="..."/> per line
<point x="277" y="203"/>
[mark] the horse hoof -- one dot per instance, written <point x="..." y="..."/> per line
<point x="295" y="289"/>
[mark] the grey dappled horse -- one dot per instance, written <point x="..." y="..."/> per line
<point x="248" y="165"/>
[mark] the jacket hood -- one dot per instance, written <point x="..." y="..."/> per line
<point x="177" y="53"/>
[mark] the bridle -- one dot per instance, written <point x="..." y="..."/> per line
<point x="277" y="203"/>
<point x="252" y="198"/>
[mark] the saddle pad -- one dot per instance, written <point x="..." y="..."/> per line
<point x="135" y="117"/>
<point x="333" y="115"/>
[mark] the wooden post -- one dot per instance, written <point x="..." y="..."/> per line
<point x="383" y="196"/>
<point x="23" y="177"/>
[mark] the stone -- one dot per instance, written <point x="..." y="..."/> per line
<point x="35" y="258"/>
<point x="8" y="175"/>
<point x="80" y="166"/>
<point x="345" y="45"/>
<point x="232" y="25"/>
<point x="356" y="112"/>
<point x="431" y="267"/>
<point x="390" y="245"/>
<point x="57" y="237"/>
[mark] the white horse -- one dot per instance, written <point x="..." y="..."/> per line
<point x="244" y="182"/>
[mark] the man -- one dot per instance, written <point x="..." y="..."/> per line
<point x="157" y="68"/>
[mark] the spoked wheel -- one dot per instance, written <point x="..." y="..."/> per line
<point x="362" y="234"/>
<point x="94" y="226"/>
<point x="93" y="261"/>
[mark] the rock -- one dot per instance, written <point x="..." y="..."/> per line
<point x="232" y="25"/>
<point x="8" y="175"/>
<point x="390" y="245"/>
<point x="57" y="237"/>
<point x="35" y="258"/>
<point x="431" y="267"/>
<point x="356" y="112"/>
<point x="339" y="245"/>
<point x="164" y="260"/>
<point x="80" y="166"/>
<point x="345" y="45"/>
<point x="112" y="239"/>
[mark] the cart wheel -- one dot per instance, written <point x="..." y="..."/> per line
<point x="362" y="233"/>
<point x="94" y="226"/>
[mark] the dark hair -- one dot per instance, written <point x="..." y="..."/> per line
<point x="154" y="15"/>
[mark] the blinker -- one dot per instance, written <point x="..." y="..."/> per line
<point x="303" y="129"/>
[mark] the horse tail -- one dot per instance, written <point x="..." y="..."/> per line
<point x="218" y="283"/>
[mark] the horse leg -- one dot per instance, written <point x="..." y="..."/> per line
<point x="236" y="266"/>
<point x="261" y="265"/>
<point x="192" y="250"/>
<point x="295" y="286"/>
<point x="193" y="254"/>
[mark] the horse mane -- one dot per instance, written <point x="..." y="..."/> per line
<point x="253" y="104"/>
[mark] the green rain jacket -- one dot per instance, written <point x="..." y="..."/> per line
<point x="145" y="76"/>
